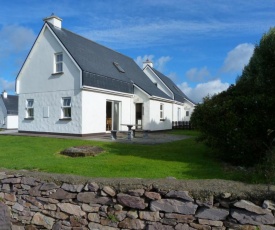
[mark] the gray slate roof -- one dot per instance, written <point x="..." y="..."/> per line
<point x="11" y="104"/>
<point x="99" y="70"/>
<point x="178" y="94"/>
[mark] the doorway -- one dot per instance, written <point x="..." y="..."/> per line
<point x="112" y="115"/>
<point x="139" y="114"/>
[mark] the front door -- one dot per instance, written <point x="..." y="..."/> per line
<point x="112" y="115"/>
<point x="139" y="113"/>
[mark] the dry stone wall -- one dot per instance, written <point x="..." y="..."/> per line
<point x="29" y="203"/>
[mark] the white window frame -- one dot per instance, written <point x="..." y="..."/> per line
<point x="66" y="108"/>
<point x="29" y="108"/>
<point x="58" y="63"/>
<point x="187" y="113"/>
<point x="161" y="111"/>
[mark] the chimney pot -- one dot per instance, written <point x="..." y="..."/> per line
<point x="5" y="94"/>
<point x="54" y="20"/>
<point x="147" y="62"/>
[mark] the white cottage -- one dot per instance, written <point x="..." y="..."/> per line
<point x="183" y="107"/>
<point x="71" y="85"/>
<point x="8" y="111"/>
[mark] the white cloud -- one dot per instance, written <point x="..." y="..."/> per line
<point x="159" y="63"/>
<point x="6" y="85"/>
<point x="237" y="58"/>
<point x="201" y="90"/>
<point x="197" y="75"/>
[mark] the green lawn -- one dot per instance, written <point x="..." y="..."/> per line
<point x="185" y="159"/>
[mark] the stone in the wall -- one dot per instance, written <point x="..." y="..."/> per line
<point x="246" y="217"/>
<point x="170" y="205"/>
<point x="95" y="226"/>
<point x="132" y="224"/>
<point x="132" y="214"/>
<point x="131" y="201"/>
<point x="61" y="194"/>
<point x="215" y="223"/>
<point x="153" y="195"/>
<point x="10" y="197"/>
<point x="151" y="216"/>
<point x="72" y="187"/>
<point x="200" y="226"/>
<point x="5" y="219"/>
<point x="71" y="209"/>
<point x="212" y="213"/>
<point x="90" y="208"/>
<point x="93" y="187"/>
<point x="35" y="191"/>
<point x="180" y="218"/>
<point x="179" y="194"/>
<point x="120" y="215"/>
<point x="94" y="217"/>
<point x="159" y="226"/>
<point x="183" y="227"/>
<point x="18" y="207"/>
<point x="108" y="190"/>
<point x="40" y="219"/>
<point x="249" y="206"/>
<point x="86" y="197"/>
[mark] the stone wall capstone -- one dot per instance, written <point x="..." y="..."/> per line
<point x="31" y="203"/>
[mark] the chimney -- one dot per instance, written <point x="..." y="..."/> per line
<point x="147" y="62"/>
<point x="5" y="94"/>
<point x="54" y="20"/>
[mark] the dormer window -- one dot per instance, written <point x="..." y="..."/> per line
<point x="58" y="62"/>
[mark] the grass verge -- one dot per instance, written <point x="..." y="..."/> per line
<point x="185" y="159"/>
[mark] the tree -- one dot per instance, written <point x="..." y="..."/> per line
<point x="236" y="121"/>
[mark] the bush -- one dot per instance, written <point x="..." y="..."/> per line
<point x="235" y="121"/>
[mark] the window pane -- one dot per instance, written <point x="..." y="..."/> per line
<point x="30" y="112"/>
<point x="59" y="67"/>
<point x="30" y="103"/>
<point x="67" y="112"/>
<point x="59" y="57"/>
<point x="67" y="102"/>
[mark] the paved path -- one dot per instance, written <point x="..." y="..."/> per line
<point x="152" y="139"/>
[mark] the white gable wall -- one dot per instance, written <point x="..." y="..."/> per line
<point x="155" y="79"/>
<point x="36" y="81"/>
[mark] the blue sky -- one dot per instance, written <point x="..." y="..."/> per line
<point x="201" y="44"/>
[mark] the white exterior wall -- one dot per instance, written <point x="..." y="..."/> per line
<point x="12" y="122"/>
<point x="187" y="106"/>
<point x="94" y="111"/>
<point x="3" y="115"/>
<point x="51" y="121"/>
<point x="155" y="122"/>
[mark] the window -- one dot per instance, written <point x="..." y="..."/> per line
<point x="29" y="108"/>
<point x="187" y="113"/>
<point x="119" y="68"/>
<point x="66" y="107"/>
<point x="58" y="62"/>
<point x="161" y="112"/>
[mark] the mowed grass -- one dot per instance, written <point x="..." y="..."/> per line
<point x="185" y="159"/>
